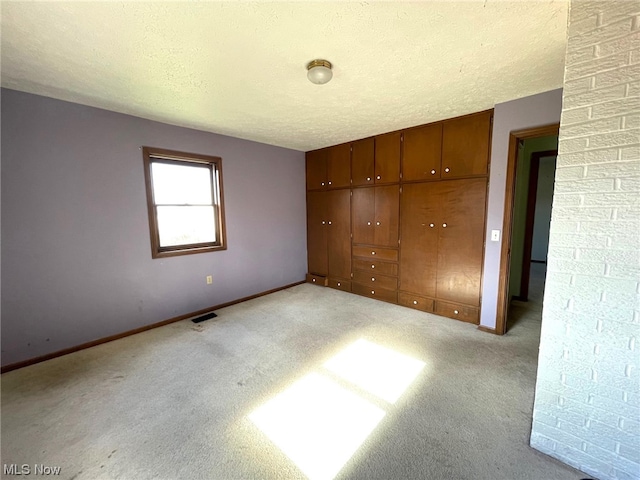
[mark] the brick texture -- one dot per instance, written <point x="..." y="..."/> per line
<point x="587" y="403"/>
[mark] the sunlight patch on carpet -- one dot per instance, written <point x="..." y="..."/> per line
<point x="380" y="371"/>
<point x="318" y="424"/>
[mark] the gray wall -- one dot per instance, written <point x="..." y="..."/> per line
<point x="528" y="112"/>
<point x="542" y="216"/>
<point x="76" y="255"/>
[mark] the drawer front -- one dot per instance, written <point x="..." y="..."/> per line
<point x="317" y="279"/>
<point x="415" y="301"/>
<point x="375" y="253"/>
<point x="377" y="293"/>
<point x="459" y="312"/>
<point x="381" y="268"/>
<point x="340" y="284"/>
<point x="375" y="281"/>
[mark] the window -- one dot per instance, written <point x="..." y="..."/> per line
<point x="184" y="198"/>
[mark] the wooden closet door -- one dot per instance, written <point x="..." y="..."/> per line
<point x="421" y="152"/>
<point x="421" y="208"/>
<point x="316" y="169"/>
<point x="387" y="210"/>
<point x="387" y="158"/>
<point x="339" y="233"/>
<point x="465" y="145"/>
<point x="339" y="166"/>
<point x="363" y="213"/>
<point x="316" y="233"/>
<point x="461" y="240"/>
<point x="362" y="162"/>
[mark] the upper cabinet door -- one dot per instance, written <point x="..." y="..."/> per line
<point x="387" y="212"/>
<point x="465" y="145"/>
<point x="387" y="158"/>
<point x="339" y="166"/>
<point x="317" y="170"/>
<point x="362" y="162"/>
<point x="362" y="215"/>
<point x="422" y="149"/>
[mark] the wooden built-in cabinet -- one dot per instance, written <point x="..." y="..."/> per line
<point x="376" y="161"/>
<point x="329" y="168"/>
<point x="329" y="235"/>
<point x="442" y="232"/>
<point x="400" y="217"/>
<point x="375" y="213"/>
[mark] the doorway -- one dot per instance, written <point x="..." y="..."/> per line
<point x="529" y="189"/>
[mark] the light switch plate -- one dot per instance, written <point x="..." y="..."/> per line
<point x="495" y="235"/>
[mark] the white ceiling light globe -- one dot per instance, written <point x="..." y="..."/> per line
<point x="319" y="72"/>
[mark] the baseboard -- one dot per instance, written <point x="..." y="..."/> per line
<point x="482" y="328"/>
<point x="66" y="351"/>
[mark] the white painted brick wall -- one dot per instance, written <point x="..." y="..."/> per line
<point x="587" y="403"/>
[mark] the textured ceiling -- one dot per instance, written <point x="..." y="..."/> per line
<point x="238" y="68"/>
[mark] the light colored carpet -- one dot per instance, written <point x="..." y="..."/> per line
<point x="173" y="403"/>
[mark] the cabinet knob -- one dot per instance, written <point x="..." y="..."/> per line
<point x="339" y="284"/>
<point x="444" y="225"/>
<point x="415" y="302"/>
<point x="373" y="292"/>
<point x="329" y="223"/>
<point x="368" y="223"/>
<point x="313" y="280"/>
<point x="433" y="172"/>
<point x="373" y="253"/>
<point x="324" y="223"/>
<point x="373" y="279"/>
<point x="431" y="225"/>
<point x="378" y="177"/>
<point x="329" y="183"/>
<point x="456" y="312"/>
<point x="446" y="170"/>
<point x="368" y="179"/>
<point x="377" y="223"/>
<point x="322" y="184"/>
<point x="373" y="266"/>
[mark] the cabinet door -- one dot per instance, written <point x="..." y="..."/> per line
<point x="465" y="145"/>
<point x="317" y="170"/>
<point x="387" y="210"/>
<point x="422" y="149"/>
<point x="387" y="158"/>
<point x="339" y="166"/>
<point x="461" y="240"/>
<point x="316" y="233"/>
<point x="421" y="204"/>
<point x="362" y="161"/>
<point x="339" y="233"/>
<point x="363" y="213"/>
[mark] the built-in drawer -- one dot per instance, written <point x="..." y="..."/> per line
<point x="377" y="293"/>
<point x="415" y="301"/>
<point x="459" y="312"/>
<point x="382" y="268"/>
<point x="317" y="279"/>
<point x="340" y="284"/>
<point x="375" y="253"/>
<point x="374" y="280"/>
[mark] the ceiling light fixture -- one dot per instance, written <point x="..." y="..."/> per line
<point x="319" y="72"/>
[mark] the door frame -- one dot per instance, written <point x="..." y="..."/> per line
<point x="532" y="195"/>
<point x="505" y="251"/>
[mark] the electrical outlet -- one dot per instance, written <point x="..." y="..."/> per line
<point x="209" y="279"/>
<point x="495" y="235"/>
